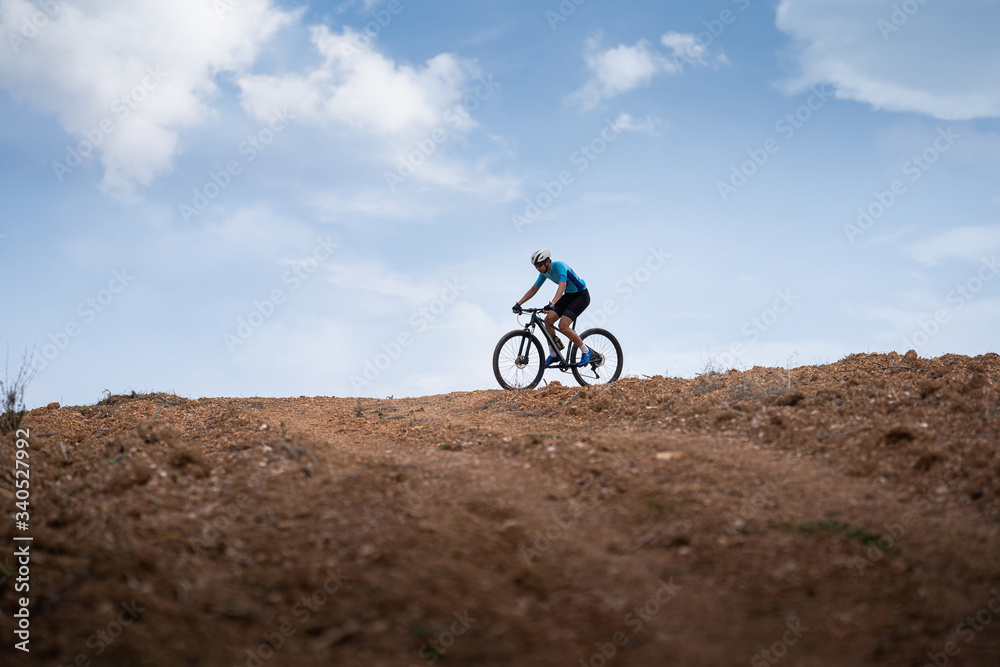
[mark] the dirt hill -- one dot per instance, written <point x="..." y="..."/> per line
<point x="846" y="514"/>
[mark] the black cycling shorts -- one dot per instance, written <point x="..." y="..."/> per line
<point x="572" y="305"/>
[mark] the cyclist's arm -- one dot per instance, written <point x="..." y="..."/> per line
<point x="559" y="292"/>
<point x="527" y="295"/>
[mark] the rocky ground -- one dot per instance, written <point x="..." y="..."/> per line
<point x="846" y="514"/>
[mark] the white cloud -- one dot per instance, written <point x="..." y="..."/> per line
<point x="968" y="243"/>
<point x="129" y="76"/>
<point x="648" y="125"/>
<point x="938" y="60"/>
<point x="626" y="67"/>
<point x="617" y="70"/>
<point x="413" y="118"/>
<point x="473" y="178"/>
<point x="361" y="88"/>
<point x="687" y="50"/>
<point x="623" y="68"/>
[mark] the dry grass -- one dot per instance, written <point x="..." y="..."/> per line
<point x="12" y="394"/>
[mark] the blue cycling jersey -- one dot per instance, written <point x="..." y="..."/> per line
<point x="560" y="272"/>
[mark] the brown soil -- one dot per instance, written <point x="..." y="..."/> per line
<point x="846" y="514"/>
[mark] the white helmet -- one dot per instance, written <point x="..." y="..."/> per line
<point x="540" y="256"/>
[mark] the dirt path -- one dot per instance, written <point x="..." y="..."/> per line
<point x="739" y="519"/>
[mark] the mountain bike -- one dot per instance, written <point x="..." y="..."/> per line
<point x="518" y="361"/>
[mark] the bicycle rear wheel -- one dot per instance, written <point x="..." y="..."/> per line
<point x="605" y="363"/>
<point x="517" y="361"/>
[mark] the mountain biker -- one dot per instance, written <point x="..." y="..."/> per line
<point x="570" y="300"/>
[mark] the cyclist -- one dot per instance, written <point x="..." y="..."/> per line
<point x="571" y="299"/>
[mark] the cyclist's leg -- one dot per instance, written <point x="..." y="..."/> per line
<point x="558" y="308"/>
<point x="570" y="312"/>
<point x="565" y="327"/>
<point x="550" y="319"/>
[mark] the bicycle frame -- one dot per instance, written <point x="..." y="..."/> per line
<point x="537" y="321"/>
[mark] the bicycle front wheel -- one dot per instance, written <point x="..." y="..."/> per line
<point x="517" y="361"/>
<point x="605" y="363"/>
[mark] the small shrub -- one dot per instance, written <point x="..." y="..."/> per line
<point x="707" y="380"/>
<point x="12" y="394"/>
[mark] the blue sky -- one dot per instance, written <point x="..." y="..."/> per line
<point x="239" y="198"/>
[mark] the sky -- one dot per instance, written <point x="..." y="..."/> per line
<point x="269" y="198"/>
